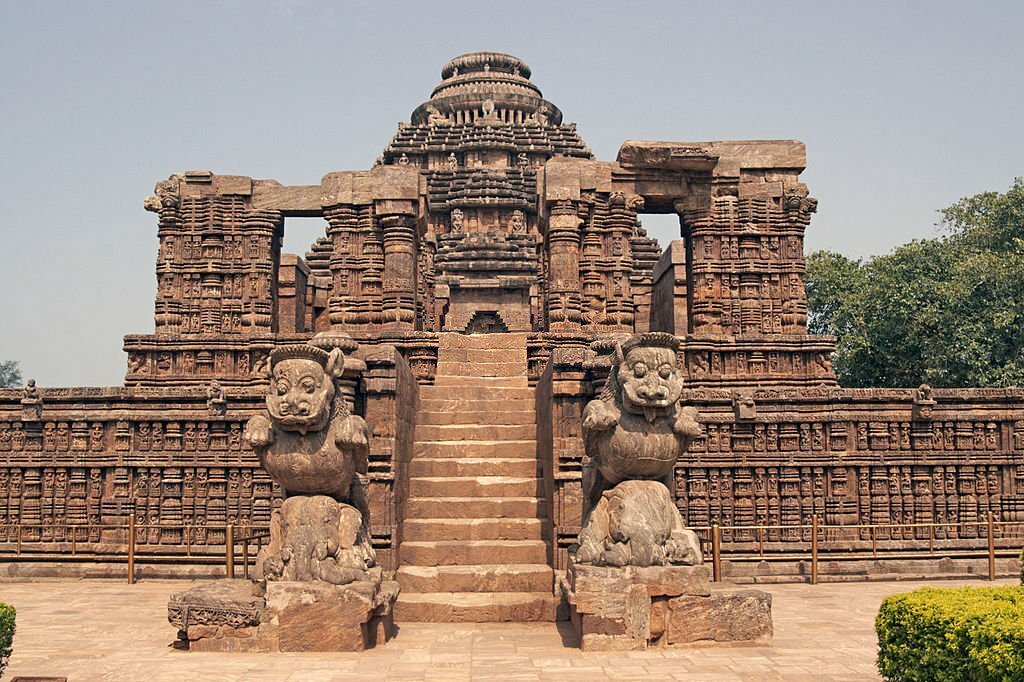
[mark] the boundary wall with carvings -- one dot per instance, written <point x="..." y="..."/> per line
<point x="847" y="456"/>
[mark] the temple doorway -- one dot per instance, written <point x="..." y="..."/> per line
<point x="486" y="322"/>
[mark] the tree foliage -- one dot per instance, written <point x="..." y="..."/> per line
<point x="10" y="374"/>
<point x="947" y="311"/>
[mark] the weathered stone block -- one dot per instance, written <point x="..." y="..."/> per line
<point x="736" y="618"/>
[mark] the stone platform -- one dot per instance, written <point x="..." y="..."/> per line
<point x="239" y="616"/>
<point x="632" y="608"/>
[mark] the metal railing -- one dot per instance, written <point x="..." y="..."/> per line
<point x="25" y="545"/>
<point x="746" y="543"/>
<point x="828" y="540"/>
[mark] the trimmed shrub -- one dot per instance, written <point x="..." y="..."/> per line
<point x="964" y="633"/>
<point x="6" y="634"/>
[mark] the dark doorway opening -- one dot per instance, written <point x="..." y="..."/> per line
<point x="486" y="322"/>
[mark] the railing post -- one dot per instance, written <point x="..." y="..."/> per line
<point x="991" y="548"/>
<point x="229" y="540"/>
<point x="131" y="549"/>
<point x="245" y="554"/>
<point x="874" y="544"/>
<point x="760" y="541"/>
<point x="931" y="539"/>
<point x="19" y="539"/>
<point x="814" y="549"/>
<point x="716" y="553"/>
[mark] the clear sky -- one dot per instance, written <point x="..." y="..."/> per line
<point x="905" y="107"/>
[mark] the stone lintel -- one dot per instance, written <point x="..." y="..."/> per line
<point x="364" y="187"/>
<point x="195" y="184"/>
<point x="291" y="200"/>
<point x="723" y="158"/>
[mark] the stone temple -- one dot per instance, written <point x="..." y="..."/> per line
<point x="483" y="268"/>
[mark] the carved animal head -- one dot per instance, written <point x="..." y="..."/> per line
<point x="302" y="386"/>
<point x="647" y="374"/>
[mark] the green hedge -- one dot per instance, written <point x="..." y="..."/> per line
<point x="6" y="634"/>
<point x="964" y="633"/>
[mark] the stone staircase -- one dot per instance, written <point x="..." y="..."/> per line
<point x="474" y="547"/>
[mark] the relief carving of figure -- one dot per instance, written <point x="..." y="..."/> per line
<point x="456" y="220"/>
<point x="633" y="434"/>
<point x="518" y="222"/>
<point x="216" y="398"/>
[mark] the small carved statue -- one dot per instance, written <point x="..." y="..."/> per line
<point x="633" y="434"/>
<point x="216" y="398"/>
<point x="518" y="222"/>
<point x="453" y="161"/>
<point x="924" y="403"/>
<point x="744" y="407"/>
<point x="456" y="220"/>
<point x="31" y="393"/>
<point x="31" y="402"/>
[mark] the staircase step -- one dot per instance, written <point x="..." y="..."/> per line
<point x="476" y="607"/>
<point x="473" y="508"/>
<point x="473" y="486"/>
<point x="442" y="380"/>
<point x="472" y="466"/>
<point x="448" y="367"/>
<point x="482" y="341"/>
<point x="436" y="432"/>
<point x="428" y="405"/>
<point x="476" y="448"/>
<point x="476" y="416"/>
<point x="462" y="552"/>
<point x="476" y="578"/>
<point x="484" y="355"/>
<point x="416" y="530"/>
<point x="464" y="392"/>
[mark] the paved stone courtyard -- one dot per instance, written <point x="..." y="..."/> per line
<point x="104" y="630"/>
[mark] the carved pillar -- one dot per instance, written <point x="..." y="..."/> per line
<point x="564" y="304"/>
<point x="620" y="225"/>
<point x="398" y="296"/>
<point x="356" y="265"/>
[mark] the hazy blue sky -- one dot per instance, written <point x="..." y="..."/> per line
<point x="905" y="107"/>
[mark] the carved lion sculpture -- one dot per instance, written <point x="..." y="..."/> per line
<point x="312" y="444"/>
<point x="316" y="538"/>
<point x="636" y="524"/>
<point x="636" y="429"/>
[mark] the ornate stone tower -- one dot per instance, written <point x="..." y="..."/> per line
<point x="480" y="142"/>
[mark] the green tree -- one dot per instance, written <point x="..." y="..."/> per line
<point x="10" y="374"/>
<point x="947" y="311"/>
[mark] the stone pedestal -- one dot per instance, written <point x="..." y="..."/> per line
<point x="232" y="615"/>
<point x="631" y="608"/>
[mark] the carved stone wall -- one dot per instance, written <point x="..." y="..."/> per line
<point x="850" y="456"/>
<point x="97" y="456"/>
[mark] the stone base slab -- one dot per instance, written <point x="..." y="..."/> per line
<point x="631" y="608"/>
<point x="239" y="616"/>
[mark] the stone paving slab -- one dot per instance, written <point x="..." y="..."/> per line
<point x="104" y="630"/>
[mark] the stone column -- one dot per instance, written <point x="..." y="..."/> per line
<point x="399" y="286"/>
<point x="564" y="300"/>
